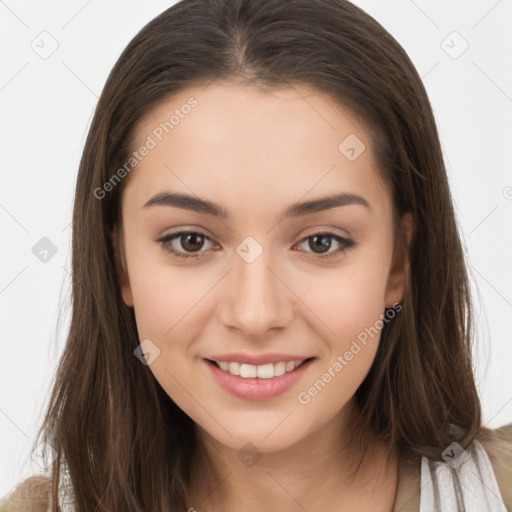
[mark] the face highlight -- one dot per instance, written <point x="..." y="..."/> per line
<point x="249" y="229"/>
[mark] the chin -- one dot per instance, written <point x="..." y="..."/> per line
<point x="268" y="436"/>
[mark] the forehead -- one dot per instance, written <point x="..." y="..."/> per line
<point x="227" y="139"/>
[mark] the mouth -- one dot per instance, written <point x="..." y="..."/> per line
<point x="264" y="371"/>
<point x="257" y="382"/>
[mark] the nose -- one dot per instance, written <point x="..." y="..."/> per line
<point x="256" y="298"/>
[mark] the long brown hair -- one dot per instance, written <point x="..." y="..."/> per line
<point x="122" y="443"/>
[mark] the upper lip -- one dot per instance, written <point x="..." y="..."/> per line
<point x="257" y="359"/>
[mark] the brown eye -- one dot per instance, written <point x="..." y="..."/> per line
<point x="320" y="243"/>
<point x="190" y="242"/>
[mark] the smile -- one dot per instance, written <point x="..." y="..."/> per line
<point x="264" y="371"/>
<point x="257" y="382"/>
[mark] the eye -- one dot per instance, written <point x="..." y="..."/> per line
<point x="323" y="242"/>
<point x="188" y="240"/>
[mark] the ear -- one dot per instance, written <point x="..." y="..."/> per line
<point x="399" y="270"/>
<point x="120" y="262"/>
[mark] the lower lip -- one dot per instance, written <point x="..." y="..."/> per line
<point x="257" y="389"/>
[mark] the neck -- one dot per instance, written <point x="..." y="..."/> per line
<point x="322" y="469"/>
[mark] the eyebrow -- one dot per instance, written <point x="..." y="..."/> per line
<point x="198" y="205"/>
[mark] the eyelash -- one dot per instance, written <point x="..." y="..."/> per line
<point x="346" y="243"/>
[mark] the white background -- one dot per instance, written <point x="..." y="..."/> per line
<point x="46" y="107"/>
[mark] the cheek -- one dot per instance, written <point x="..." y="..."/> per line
<point x="170" y="307"/>
<point x="348" y="305"/>
<point x="353" y="308"/>
<point x="348" y="299"/>
<point x="165" y="296"/>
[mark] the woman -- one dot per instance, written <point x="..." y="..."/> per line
<point x="271" y="309"/>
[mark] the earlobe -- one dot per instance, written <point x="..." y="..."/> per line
<point x="122" y="273"/>
<point x="398" y="273"/>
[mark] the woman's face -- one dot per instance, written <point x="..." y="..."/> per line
<point x="259" y="286"/>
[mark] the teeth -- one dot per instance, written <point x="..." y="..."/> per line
<point x="234" y="368"/>
<point x="279" y="369"/>
<point x="248" y="371"/>
<point x="264" y="371"/>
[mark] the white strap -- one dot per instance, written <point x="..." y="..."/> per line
<point x="465" y="481"/>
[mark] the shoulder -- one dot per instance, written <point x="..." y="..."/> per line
<point x="498" y="445"/>
<point x="30" y="495"/>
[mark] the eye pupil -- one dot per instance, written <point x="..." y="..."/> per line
<point x="195" y="244"/>
<point x="324" y="240"/>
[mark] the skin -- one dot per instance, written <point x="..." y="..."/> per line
<point x="254" y="153"/>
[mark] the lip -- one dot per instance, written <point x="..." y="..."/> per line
<point x="257" y="359"/>
<point x="257" y="389"/>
